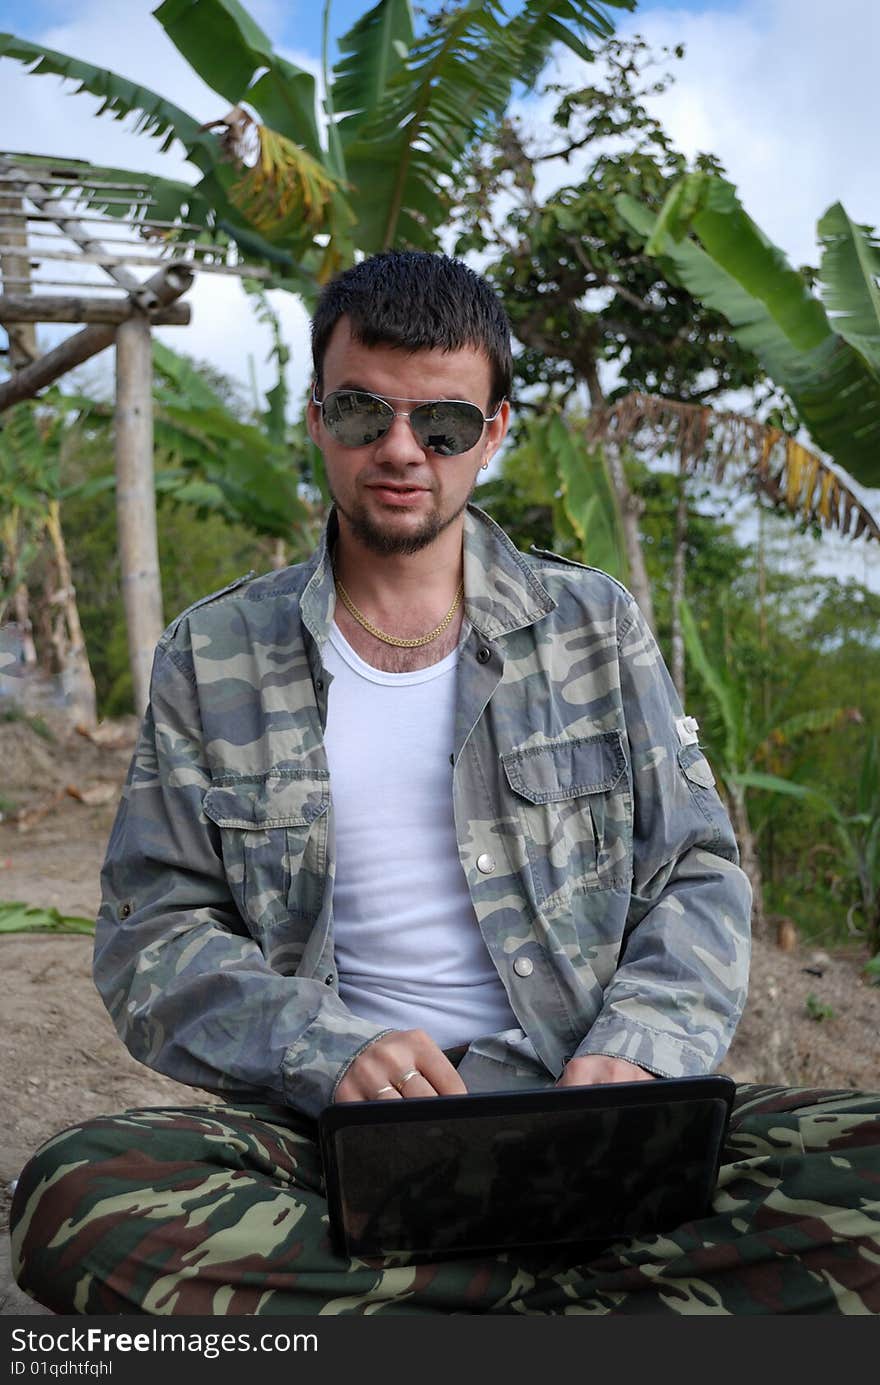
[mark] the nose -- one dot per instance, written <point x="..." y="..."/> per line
<point x="400" y="443"/>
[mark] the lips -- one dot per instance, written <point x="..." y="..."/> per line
<point x="398" y="495"/>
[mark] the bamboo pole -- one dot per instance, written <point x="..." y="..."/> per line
<point x="44" y="307"/>
<point x="22" y="352"/>
<point x="165" y="287"/>
<point x="136" y="500"/>
<point x="53" y="204"/>
<point x="73" y="659"/>
<point x="15" y="264"/>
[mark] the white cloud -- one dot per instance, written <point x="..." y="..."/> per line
<point x="785" y="93"/>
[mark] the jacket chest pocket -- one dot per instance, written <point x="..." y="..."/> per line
<point x="574" y="805"/>
<point x="273" y="835"/>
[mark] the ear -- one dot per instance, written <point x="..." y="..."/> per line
<point x="313" y="420"/>
<point x="496" y="431"/>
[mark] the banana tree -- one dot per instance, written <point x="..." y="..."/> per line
<point x="738" y="738"/>
<point x="824" y="351"/>
<point x="304" y="188"/>
<point x="32" y="443"/>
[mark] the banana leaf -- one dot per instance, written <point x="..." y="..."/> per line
<point x="828" y="368"/>
<point x="16" y="917"/>
<point x="227" y="48"/>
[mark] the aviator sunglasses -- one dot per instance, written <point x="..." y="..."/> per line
<point x="448" y="427"/>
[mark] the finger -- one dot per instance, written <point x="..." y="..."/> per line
<point x="437" y="1070"/>
<point x="413" y="1083"/>
<point x="387" y="1093"/>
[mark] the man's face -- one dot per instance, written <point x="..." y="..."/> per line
<point x="393" y="495"/>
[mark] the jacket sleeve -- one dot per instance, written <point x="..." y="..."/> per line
<point x="188" y="988"/>
<point x="680" y="987"/>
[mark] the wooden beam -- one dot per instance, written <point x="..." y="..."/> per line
<point x="51" y="202"/>
<point x="163" y="288"/>
<point x="46" y="307"/>
<point x="136" y="500"/>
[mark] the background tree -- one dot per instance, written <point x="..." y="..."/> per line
<point x="593" y="312"/>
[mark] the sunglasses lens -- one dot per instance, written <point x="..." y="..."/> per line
<point x="447" y="427"/>
<point x="355" y="419"/>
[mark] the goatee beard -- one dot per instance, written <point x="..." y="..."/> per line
<point x="385" y="543"/>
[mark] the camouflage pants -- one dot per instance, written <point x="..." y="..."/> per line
<point x="220" y="1210"/>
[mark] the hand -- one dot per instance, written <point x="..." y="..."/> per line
<point x="377" y="1071"/>
<point x="595" y="1069"/>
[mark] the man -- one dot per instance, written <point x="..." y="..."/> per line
<point x="421" y="815"/>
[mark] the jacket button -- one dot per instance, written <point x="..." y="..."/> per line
<point x="484" y="655"/>
<point x="125" y="910"/>
<point x="486" y="863"/>
<point x="524" y="966"/>
<point x="328" y="980"/>
<point x="319" y="684"/>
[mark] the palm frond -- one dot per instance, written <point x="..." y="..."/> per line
<point x="730" y="444"/>
<point x="373" y="51"/>
<point x="155" y="116"/>
<point x="587" y="494"/>
<point x="848" y="281"/>
<point x="457" y="78"/>
<point x="734" y="269"/>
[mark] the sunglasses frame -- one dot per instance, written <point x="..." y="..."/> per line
<point x="390" y="399"/>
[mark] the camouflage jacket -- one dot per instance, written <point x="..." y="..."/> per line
<point x="600" y="861"/>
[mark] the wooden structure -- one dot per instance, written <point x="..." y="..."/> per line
<point x="63" y="228"/>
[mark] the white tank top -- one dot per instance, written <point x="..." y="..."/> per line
<point x="408" y="948"/>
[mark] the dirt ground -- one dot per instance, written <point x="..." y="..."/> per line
<point x="61" y="1060"/>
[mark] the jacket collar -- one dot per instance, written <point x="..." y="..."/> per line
<point x="502" y="593"/>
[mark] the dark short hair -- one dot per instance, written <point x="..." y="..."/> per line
<point x="418" y="302"/>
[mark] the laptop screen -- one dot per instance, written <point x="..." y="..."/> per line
<point x="560" y="1166"/>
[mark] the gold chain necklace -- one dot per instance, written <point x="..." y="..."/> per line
<point x="392" y="639"/>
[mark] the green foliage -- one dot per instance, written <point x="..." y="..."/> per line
<point x="16" y="917"/>
<point x="827" y="359"/>
<point x="572" y="271"/>
<point x="817" y="1009"/>
<point x="410" y="104"/>
<point x="564" y="482"/>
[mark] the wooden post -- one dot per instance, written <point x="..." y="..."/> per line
<point x="22" y="352"/>
<point x="13" y="231"/>
<point x="136" y="500"/>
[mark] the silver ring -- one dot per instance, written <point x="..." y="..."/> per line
<point x="387" y="1088"/>
<point x="405" y="1076"/>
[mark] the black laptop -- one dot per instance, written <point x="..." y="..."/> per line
<point x="564" y="1167"/>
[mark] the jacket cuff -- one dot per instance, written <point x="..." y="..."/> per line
<point x="316" y="1063"/>
<point x="656" y="1050"/>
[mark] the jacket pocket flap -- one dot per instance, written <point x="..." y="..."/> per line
<point x="269" y="800"/>
<point x="696" y="767"/>
<point x="566" y="769"/>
